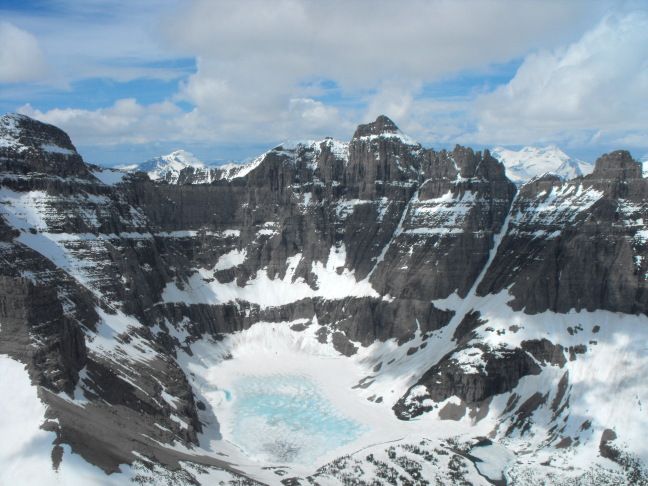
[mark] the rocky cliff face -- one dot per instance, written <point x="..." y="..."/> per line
<point x="29" y="146"/>
<point x="560" y="229"/>
<point x="430" y="268"/>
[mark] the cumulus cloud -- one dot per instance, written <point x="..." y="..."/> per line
<point x="21" y="58"/>
<point x="257" y="57"/>
<point x="81" y="40"/>
<point x="365" y="41"/>
<point x="267" y="71"/>
<point x="126" y="121"/>
<point x="590" y="90"/>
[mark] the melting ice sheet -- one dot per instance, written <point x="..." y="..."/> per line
<point x="492" y="460"/>
<point x="286" y="418"/>
<point x="281" y="397"/>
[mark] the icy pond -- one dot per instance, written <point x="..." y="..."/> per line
<point x="280" y="397"/>
<point x="286" y="418"/>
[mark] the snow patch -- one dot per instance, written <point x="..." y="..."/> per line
<point x="55" y="149"/>
<point x="333" y="281"/>
<point x="230" y="260"/>
<point x="26" y="449"/>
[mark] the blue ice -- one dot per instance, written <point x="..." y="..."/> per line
<point x="286" y="419"/>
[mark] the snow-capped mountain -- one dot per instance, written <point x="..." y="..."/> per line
<point x="530" y="162"/>
<point x="332" y="313"/>
<point x="167" y="167"/>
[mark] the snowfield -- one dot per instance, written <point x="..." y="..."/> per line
<point x="284" y="400"/>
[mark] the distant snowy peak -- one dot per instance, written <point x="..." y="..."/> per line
<point x="158" y="167"/>
<point x="307" y="149"/>
<point x="168" y="168"/>
<point x="531" y="162"/>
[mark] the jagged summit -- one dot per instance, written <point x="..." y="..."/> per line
<point x="381" y="126"/>
<point x="617" y="165"/>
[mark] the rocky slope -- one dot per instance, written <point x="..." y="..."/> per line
<point x="478" y="308"/>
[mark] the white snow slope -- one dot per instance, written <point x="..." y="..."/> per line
<point x="157" y="167"/>
<point x="531" y="162"/>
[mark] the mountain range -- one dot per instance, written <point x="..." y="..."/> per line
<point x="361" y="312"/>
<point x="521" y="166"/>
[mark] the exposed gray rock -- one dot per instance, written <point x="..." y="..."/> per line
<point x="545" y="351"/>
<point x="590" y="224"/>
<point x="501" y="373"/>
<point x="415" y="224"/>
<point x="32" y="146"/>
<point x="618" y="165"/>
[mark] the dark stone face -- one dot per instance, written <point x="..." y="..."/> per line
<point x="416" y="224"/>
<point x="42" y="148"/>
<point x="618" y="165"/>
<point x="380" y="126"/>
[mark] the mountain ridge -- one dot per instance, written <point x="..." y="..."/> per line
<point x="522" y="166"/>
<point x="445" y="292"/>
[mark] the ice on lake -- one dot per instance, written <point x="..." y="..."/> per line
<point x="285" y="418"/>
<point x="491" y="460"/>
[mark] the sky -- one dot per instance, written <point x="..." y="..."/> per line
<point x="228" y="80"/>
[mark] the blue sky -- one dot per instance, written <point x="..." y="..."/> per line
<point x="227" y="80"/>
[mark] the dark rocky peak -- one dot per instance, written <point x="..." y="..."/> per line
<point x="439" y="165"/>
<point x="477" y="165"/>
<point x="28" y="145"/>
<point x="381" y="155"/>
<point x="539" y="189"/>
<point x="466" y="161"/>
<point x="490" y="168"/>
<point x="29" y="133"/>
<point x="544" y="182"/>
<point x="381" y="126"/>
<point x="618" y="165"/>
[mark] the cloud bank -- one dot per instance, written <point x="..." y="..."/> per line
<point x="21" y="58"/>
<point x="498" y="72"/>
<point x="596" y="87"/>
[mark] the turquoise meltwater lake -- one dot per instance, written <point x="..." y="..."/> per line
<point x="287" y="419"/>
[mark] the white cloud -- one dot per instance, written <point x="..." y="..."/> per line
<point x="113" y="39"/>
<point x="255" y="58"/>
<point x="21" y="58"/>
<point x="126" y="121"/>
<point x="364" y="41"/>
<point x="315" y="114"/>
<point x="267" y="71"/>
<point x="394" y="97"/>
<point x="592" y="89"/>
